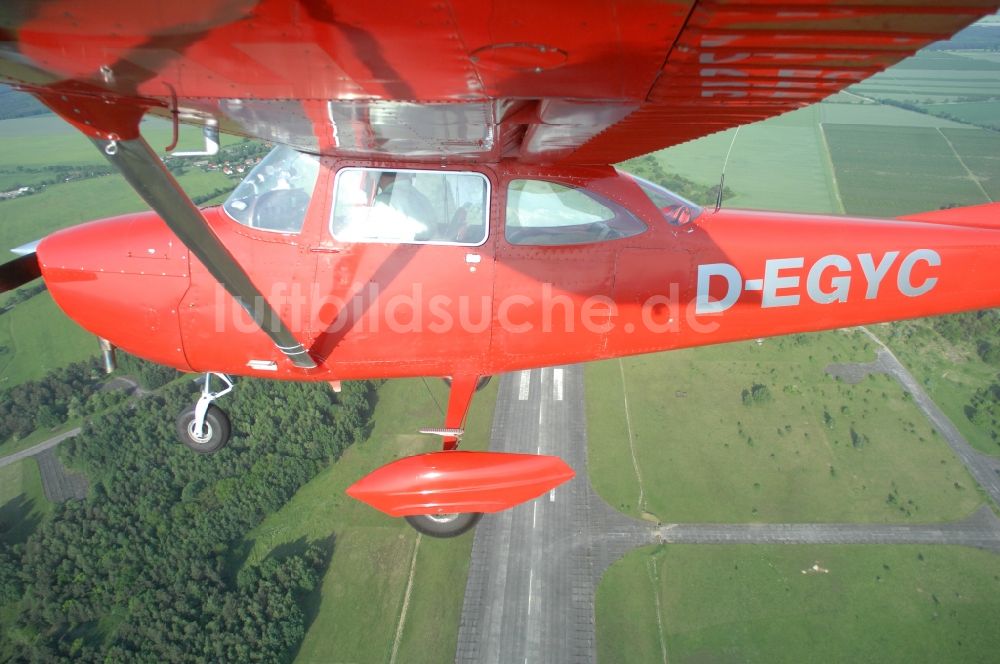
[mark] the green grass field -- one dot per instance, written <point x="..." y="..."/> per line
<point x="355" y="613"/>
<point x="754" y="603"/>
<point x="22" y="502"/>
<point x="704" y="456"/>
<point x="36" y="337"/>
<point x="59" y="206"/>
<point x="46" y="140"/>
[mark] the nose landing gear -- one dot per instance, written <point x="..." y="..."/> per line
<point x="204" y="427"/>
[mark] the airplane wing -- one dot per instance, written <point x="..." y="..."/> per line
<point x="582" y="81"/>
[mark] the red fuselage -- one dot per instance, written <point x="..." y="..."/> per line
<point x="403" y="308"/>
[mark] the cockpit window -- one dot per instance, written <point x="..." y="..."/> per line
<point x="546" y="213"/>
<point x="276" y="194"/>
<point x="676" y="211"/>
<point x="409" y="206"/>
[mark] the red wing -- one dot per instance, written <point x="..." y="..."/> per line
<point x="584" y="81"/>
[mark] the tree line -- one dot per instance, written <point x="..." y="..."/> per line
<point x="649" y="168"/>
<point x="140" y="571"/>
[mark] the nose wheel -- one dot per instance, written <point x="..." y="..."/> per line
<point x="204" y="427"/>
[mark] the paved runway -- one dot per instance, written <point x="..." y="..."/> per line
<point x="534" y="569"/>
<point x="530" y="594"/>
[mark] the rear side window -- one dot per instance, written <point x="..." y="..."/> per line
<point x="540" y="212"/>
<point x="410" y="207"/>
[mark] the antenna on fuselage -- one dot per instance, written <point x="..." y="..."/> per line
<point x="722" y="180"/>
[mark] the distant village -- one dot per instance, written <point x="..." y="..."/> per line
<point x="15" y="193"/>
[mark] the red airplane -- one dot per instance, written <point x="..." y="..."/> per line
<point x="441" y="202"/>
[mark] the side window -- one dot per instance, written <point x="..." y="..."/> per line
<point x="546" y="213"/>
<point x="414" y="207"/>
<point x="276" y="194"/>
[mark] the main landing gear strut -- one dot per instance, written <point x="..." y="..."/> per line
<point x="444" y="494"/>
<point x="204" y="427"/>
<point x="460" y="392"/>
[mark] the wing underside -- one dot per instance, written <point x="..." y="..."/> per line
<point x="592" y="81"/>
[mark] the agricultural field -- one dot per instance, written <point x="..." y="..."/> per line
<point x="979" y="152"/>
<point x="935" y="76"/>
<point x="891" y="171"/>
<point x="762" y="603"/>
<point x="880" y="115"/>
<point x="355" y="614"/>
<point x="981" y="113"/>
<point x="767" y="157"/>
<point x="814" y="450"/>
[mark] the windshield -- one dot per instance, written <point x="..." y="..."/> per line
<point x="276" y="194"/>
<point x="677" y="211"/>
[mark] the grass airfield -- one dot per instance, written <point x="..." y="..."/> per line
<point x="798" y="603"/>
<point x="706" y="457"/>
<point x="701" y="455"/>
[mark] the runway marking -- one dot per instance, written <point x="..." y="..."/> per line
<point x="552" y="495"/>
<point x="541" y="409"/>
<point x="531" y="583"/>
<point x="557" y="383"/>
<point x="524" y="389"/>
<point x="534" y="516"/>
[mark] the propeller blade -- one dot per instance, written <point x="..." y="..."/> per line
<point x="18" y="272"/>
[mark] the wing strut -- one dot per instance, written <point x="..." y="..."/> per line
<point x="150" y="178"/>
<point x="112" y="124"/>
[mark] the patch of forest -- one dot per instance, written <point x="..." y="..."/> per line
<point x="138" y="571"/>
<point x="649" y="168"/>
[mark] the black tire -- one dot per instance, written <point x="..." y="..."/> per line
<point x="217" y="430"/>
<point x="480" y="384"/>
<point x="444" y="525"/>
